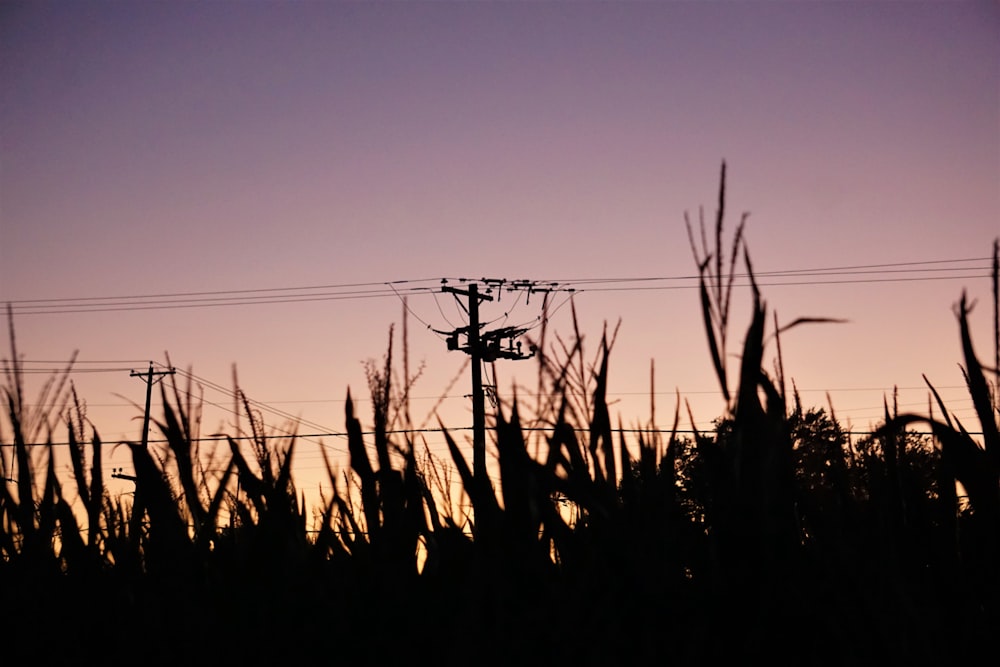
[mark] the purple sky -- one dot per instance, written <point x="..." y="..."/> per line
<point x="158" y="148"/>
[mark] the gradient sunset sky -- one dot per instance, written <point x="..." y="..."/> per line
<point x="208" y="149"/>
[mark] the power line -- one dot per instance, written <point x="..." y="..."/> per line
<point x="225" y="292"/>
<point x="7" y="368"/>
<point x="108" y="304"/>
<point x="797" y="283"/>
<point x="82" y="361"/>
<point x="263" y="407"/>
<point x="407" y="307"/>
<point x="884" y="272"/>
<point x="381" y="289"/>
<point x="883" y="268"/>
<point x="412" y="431"/>
<point x="269" y="436"/>
<point x="522" y="392"/>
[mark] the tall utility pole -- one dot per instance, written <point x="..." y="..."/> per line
<point x="482" y="347"/>
<point x="148" y="377"/>
<point x="475" y="351"/>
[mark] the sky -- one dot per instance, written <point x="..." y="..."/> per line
<point x="276" y="183"/>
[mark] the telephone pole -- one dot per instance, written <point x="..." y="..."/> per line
<point x="148" y="378"/>
<point x="474" y="350"/>
<point x="482" y="347"/>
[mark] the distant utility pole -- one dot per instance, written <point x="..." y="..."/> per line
<point x="148" y="377"/>
<point x="481" y="347"/>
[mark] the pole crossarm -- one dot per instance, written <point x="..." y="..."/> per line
<point x="118" y="474"/>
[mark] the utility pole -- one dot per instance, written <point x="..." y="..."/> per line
<point x="148" y="378"/>
<point x="474" y="350"/>
<point x="482" y="347"/>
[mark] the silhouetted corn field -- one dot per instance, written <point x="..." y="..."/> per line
<point x="778" y="536"/>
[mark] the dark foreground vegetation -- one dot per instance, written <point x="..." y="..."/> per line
<point x="776" y="537"/>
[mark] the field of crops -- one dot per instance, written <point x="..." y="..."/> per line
<point x="778" y="536"/>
